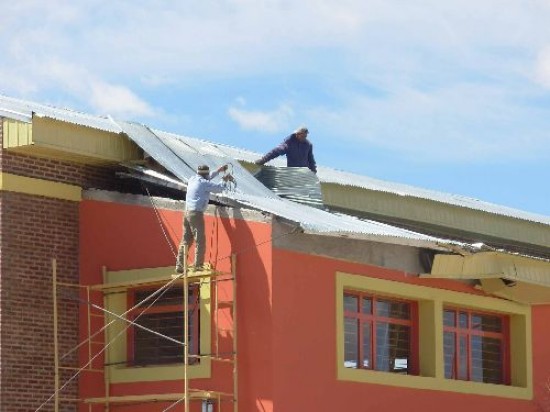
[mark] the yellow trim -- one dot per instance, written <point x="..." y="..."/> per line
<point x="39" y="187"/>
<point x="117" y="351"/>
<point x="16" y="133"/>
<point x="431" y="302"/>
<point x="530" y="277"/>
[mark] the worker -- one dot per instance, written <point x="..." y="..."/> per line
<point x="199" y="188"/>
<point x="297" y="148"/>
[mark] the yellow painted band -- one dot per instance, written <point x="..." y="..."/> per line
<point x="39" y="187"/>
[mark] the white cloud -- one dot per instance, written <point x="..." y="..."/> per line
<point x="117" y="100"/>
<point x="457" y="73"/>
<point x="464" y="124"/>
<point x="263" y="121"/>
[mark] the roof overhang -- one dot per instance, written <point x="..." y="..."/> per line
<point x="518" y="278"/>
<point x="43" y="136"/>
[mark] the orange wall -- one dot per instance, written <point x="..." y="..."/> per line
<point x="122" y="236"/>
<point x="304" y="346"/>
<point x="286" y="318"/>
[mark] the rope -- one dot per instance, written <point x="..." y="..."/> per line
<point x="73" y="377"/>
<point x="157" y="214"/>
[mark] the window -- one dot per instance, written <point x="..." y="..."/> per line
<point x="379" y="333"/>
<point x="475" y="346"/>
<point x="165" y="316"/>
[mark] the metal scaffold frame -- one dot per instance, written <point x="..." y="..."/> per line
<point x="188" y="277"/>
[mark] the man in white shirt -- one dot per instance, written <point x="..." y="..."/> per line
<point x="199" y="188"/>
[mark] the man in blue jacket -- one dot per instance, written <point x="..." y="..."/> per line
<point x="199" y="188"/>
<point x="298" y="151"/>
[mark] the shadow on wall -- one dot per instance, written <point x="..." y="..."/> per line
<point x="252" y="244"/>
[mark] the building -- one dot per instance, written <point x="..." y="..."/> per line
<point x="386" y="298"/>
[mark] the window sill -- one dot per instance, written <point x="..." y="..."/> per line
<point x="128" y="374"/>
<point x="424" y="382"/>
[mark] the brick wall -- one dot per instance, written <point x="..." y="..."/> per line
<point x="33" y="230"/>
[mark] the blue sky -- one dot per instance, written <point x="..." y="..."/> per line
<point x="446" y="95"/>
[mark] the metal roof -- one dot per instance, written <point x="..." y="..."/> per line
<point x="23" y="111"/>
<point x="181" y="155"/>
<point x="328" y="175"/>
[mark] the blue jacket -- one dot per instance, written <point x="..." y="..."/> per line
<point x="299" y="153"/>
<point x="198" y="192"/>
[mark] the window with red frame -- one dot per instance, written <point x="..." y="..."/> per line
<point x="165" y="316"/>
<point x="380" y="333"/>
<point x="475" y="346"/>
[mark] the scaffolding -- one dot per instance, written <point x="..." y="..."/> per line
<point x="187" y="278"/>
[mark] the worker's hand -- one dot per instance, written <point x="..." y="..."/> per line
<point x="227" y="178"/>
<point x="222" y="168"/>
<point x="259" y="162"/>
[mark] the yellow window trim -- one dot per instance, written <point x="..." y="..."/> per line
<point x="39" y="187"/>
<point x="431" y="302"/>
<point x="117" y="350"/>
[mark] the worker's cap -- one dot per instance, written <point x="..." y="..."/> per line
<point x="203" y="170"/>
<point x="302" y="129"/>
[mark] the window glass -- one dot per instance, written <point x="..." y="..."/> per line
<point x="378" y="333"/>
<point x="366" y="305"/>
<point x="350" y="303"/>
<point x="163" y="314"/>
<point x="392" y="309"/>
<point x="476" y="350"/>
<point x="449" y="317"/>
<point x="392" y="347"/>
<point x="486" y="323"/>
<point x="351" y="341"/>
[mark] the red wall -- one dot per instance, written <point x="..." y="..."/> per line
<point x="304" y="347"/>
<point x="122" y="236"/>
<point x="286" y="318"/>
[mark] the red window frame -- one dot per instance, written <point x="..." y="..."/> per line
<point x="194" y="314"/>
<point x="467" y="332"/>
<point x="373" y="318"/>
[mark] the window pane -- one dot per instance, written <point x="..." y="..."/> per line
<point x="392" y="309"/>
<point x="449" y="317"/>
<point x="463" y="320"/>
<point x="392" y="347"/>
<point x="486" y="359"/>
<point x="366" y="305"/>
<point x="463" y="357"/>
<point x="350" y="303"/>
<point x="367" y="345"/>
<point x="450" y="354"/>
<point x="150" y="349"/>
<point x="486" y="323"/>
<point x="351" y="343"/>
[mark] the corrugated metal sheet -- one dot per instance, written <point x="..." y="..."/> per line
<point x="182" y="155"/>
<point x="298" y="184"/>
<point x="328" y="175"/>
<point x="23" y="111"/>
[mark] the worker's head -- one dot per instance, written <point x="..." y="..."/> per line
<point x="204" y="171"/>
<point x="301" y="133"/>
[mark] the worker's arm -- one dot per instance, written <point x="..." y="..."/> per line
<point x="276" y="152"/>
<point x="217" y="171"/>
<point x="311" y="160"/>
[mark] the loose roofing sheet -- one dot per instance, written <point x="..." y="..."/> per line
<point x="181" y="156"/>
